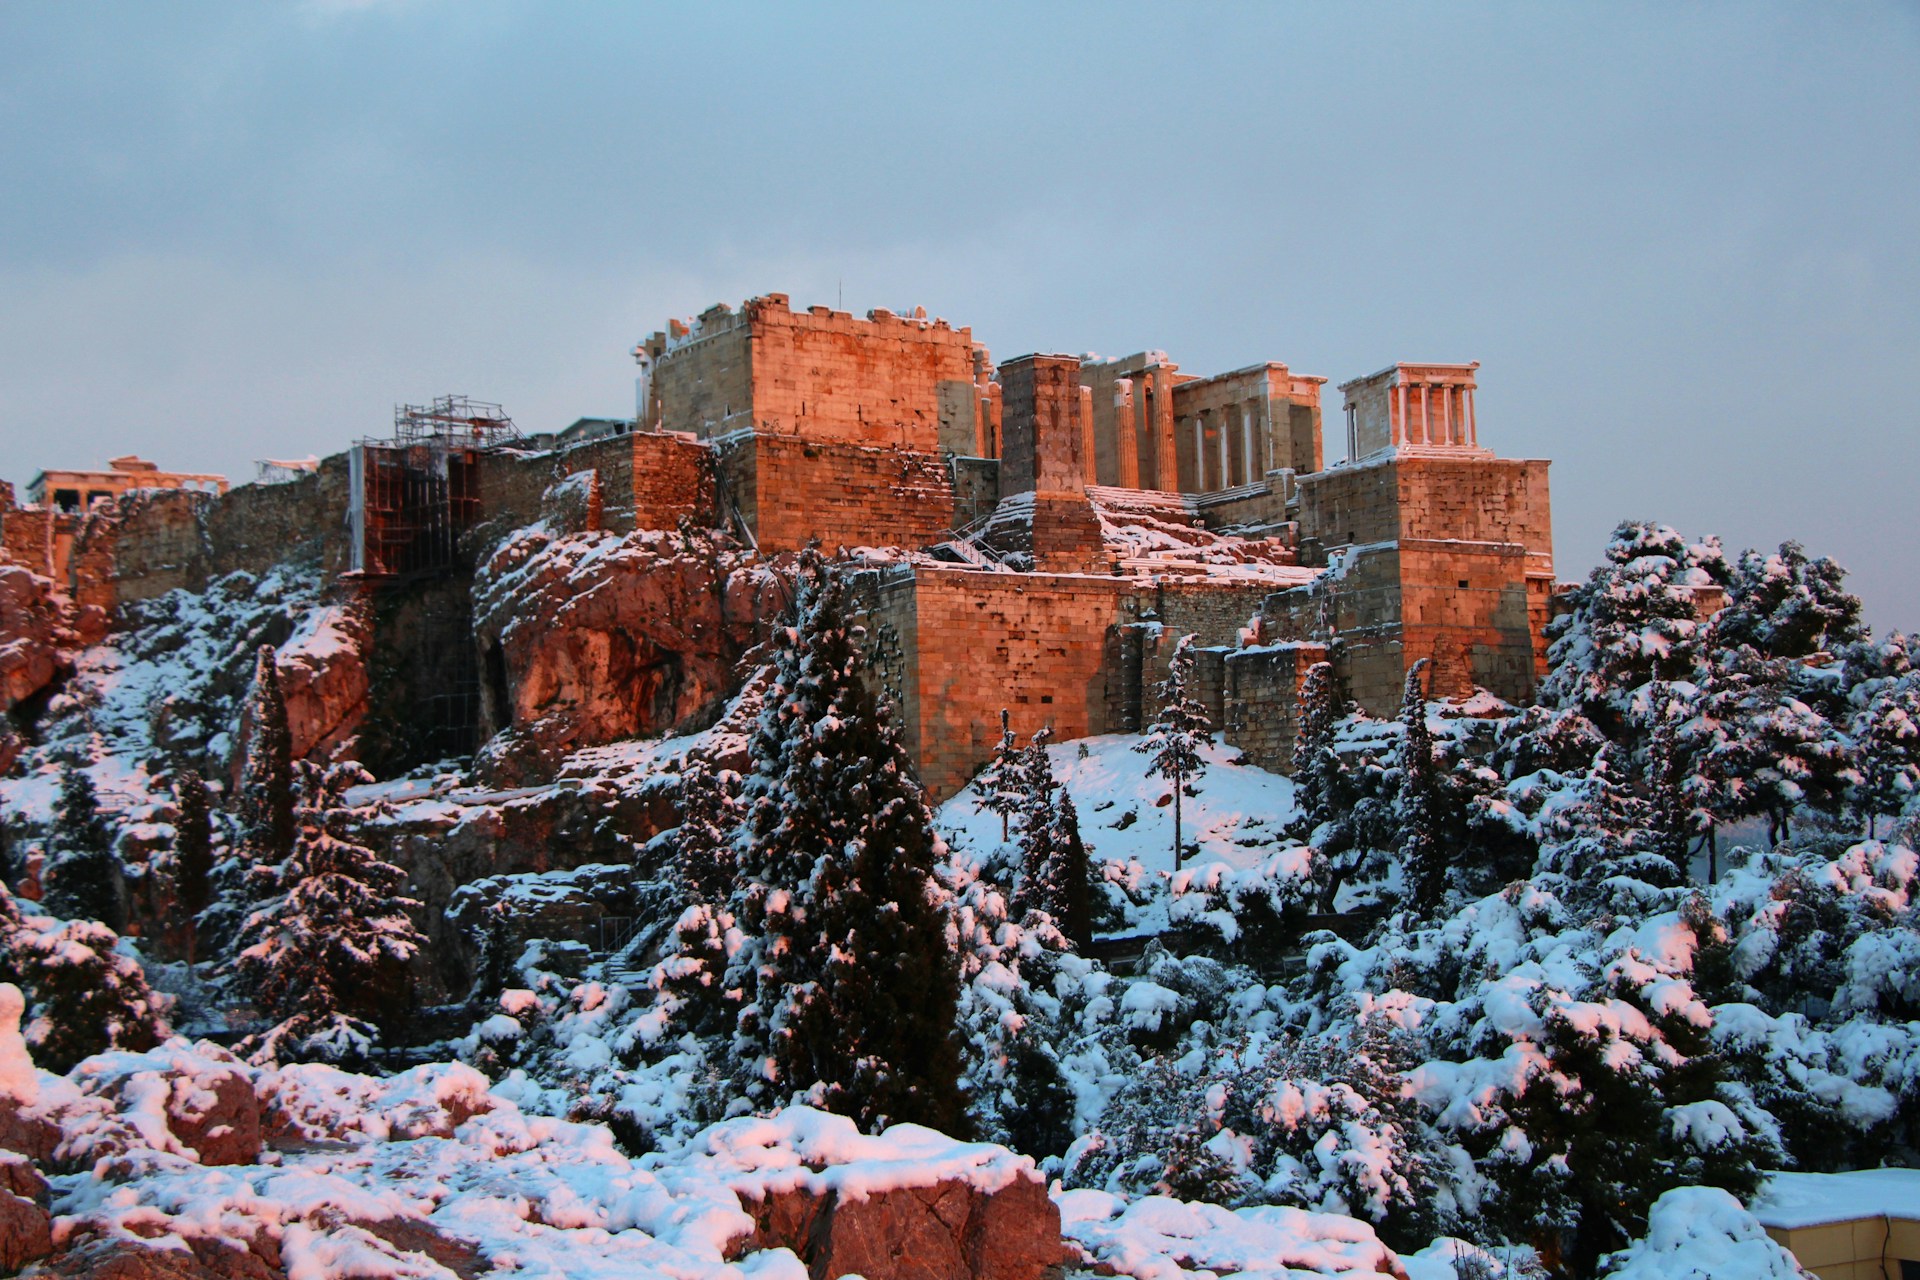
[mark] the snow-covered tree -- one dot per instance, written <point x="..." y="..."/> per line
<point x="265" y="803"/>
<point x="1055" y="877"/>
<point x="1887" y="731"/>
<point x="1316" y="764"/>
<point x="83" y="877"/>
<point x="327" y="957"/>
<point x="1786" y="605"/>
<point x="1670" y="818"/>
<point x="848" y="984"/>
<point x="1423" y="857"/>
<point x="703" y="855"/>
<point x="192" y="844"/>
<point x="999" y="783"/>
<point x="1636" y="619"/>
<point x="83" y="996"/>
<point x="1173" y="741"/>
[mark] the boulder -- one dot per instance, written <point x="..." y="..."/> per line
<point x="119" y="1258"/>
<point x="950" y="1229"/>
<point x="323" y="677"/>
<point x="26" y="1232"/>
<point x="31" y="653"/>
<point x="217" y="1115"/>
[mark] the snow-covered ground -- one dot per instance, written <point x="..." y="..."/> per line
<point x="1125" y="816"/>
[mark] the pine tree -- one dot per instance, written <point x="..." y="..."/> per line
<point x="1423" y="859"/>
<point x="1888" y="731"/>
<point x="1316" y="765"/>
<point x="266" y="799"/>
<point x="848" y="985"/>
<point x="83" y="878"/>
<point x="998" y="783"/>
<point x="83" y="996"/>
<point x="1173" y="741"/>
<point x="192" y="845"/>
<point x="1670" y="815"/>
<point x="327" y="958"/>
<point x="1056" y="876"/>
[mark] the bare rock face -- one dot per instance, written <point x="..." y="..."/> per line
<point x="946" y="1230"/>
<point x="323" y="677"/>
<point x="32" y="640"/>
<point x="210" y="1106"/>
<point x="26" y="1232"/>
<point x="592" y="637"/>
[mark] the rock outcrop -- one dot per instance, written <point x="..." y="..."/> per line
<point x="592" y="637"/>
<point x="323" y="677"/>
<point x="32" y="655"/>
<point x="906" y="1204"/>
<point x="949" y="1229"/>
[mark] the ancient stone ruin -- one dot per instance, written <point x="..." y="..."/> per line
<point x="1034" y="534"/>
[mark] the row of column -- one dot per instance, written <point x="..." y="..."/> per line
<point x="1253" y="460"/>
<point x="1434" y="413"/>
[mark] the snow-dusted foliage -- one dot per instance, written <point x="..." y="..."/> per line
<point x="1173" y="741"/>
<point x="326" y="955"/>
<point x="84" y="994"/>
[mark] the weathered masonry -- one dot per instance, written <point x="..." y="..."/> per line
<point x="1033" y="534"/>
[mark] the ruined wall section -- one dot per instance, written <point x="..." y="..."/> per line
<point x="1132" y="427"/>
<point x="791" y="490"/>
<point x="161" y="544"/>
<point x="301" y="522"/>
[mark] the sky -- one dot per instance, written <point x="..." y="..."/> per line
<point x="1681" y="240"/>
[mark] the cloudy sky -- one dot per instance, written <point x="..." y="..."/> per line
<point x="1684" y="242"/>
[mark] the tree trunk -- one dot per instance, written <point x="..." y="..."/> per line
<point x="1179" y="784"/>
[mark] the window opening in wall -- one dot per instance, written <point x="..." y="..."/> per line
<point x="67" y="499"/>
<point x="1463" y="584"/>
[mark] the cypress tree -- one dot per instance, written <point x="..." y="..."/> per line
<point x="1315" y="764"/>
<point x="1422" y="857"/>
<point x="1055" y="873"/>
<point x="83" y="878"/>
<point x="703" y="857"/>
<point x="849" y="988"/>
<point x="1174" y="739"/>
<point x="192" y="845"/>
<point x="266" y="773"/>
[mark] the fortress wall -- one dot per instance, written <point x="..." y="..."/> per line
<point x="1034" y="644"/>
<point x="705" y="384"/>
<point x="885" y="380"/>
<point x="161" y="544"/>
<point x="793" y="490"/>
<point x="257" y="526"/>
<point x="1262" y="700"/>
<point x="670" y="479"/>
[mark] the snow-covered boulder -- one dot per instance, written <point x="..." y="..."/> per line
<point x="195" y="1100"/>
<point x="907" y="1204"/>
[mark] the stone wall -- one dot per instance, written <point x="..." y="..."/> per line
<point x="40" y="539"/>
<point x="161" y="544"/>
<point x="672" y="480"/>
<point x="301" y="522"/>
<point x="1261" y="700"/>
<point x="512" y="484"/>
<point x="1442" y="558"/>
<point x="1064" y="650"/>
<point x="792" y="490"/>
<point x="824" y="375"/>
<point x="703" y="381"/>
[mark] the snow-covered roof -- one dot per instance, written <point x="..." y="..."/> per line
<point x="1792" y="1200"/>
